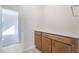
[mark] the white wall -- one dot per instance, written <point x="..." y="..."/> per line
<point x="58" y="19"/>
<point x="77" y="18"/>
<point x="30" y="15"/>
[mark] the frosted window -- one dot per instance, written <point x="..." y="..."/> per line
<point x="9" y="27"/>
<point x="10" y="31"/>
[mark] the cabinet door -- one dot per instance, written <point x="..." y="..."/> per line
<point x="62" y="47"/>
<point x="46" y="45"/>
<point x="38" y="41"/>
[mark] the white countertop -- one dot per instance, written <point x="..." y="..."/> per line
<point x="64" y="34"/>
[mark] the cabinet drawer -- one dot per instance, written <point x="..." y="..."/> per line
<point x="58" y="38"/>
<point x="38" y="33"/>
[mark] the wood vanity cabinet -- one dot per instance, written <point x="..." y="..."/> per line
<point x="53" y="43"/>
